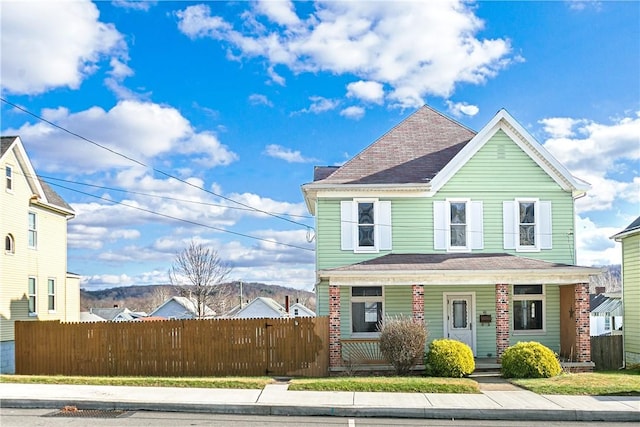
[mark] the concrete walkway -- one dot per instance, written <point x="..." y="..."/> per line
<point x="494" y="402"/>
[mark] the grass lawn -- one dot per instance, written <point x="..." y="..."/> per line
<point x="618" y="383"/>
<point x="388" y="384"/>
<point x="194" y="382"/>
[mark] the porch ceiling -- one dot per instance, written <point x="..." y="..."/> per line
<point x="462" y="268"/>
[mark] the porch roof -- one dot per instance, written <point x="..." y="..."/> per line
<point x="458" y="268"/>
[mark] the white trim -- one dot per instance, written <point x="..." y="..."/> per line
<point x="34" y="294"/>
<point x="503" y="121"/>
<point x="472" y="315"/>
<point x="531" y="297"/>
<point x="536" y="224"/>
<point x="356" y="224"/>
<point x="365" y="299"/>
<point x="467" y="206"/>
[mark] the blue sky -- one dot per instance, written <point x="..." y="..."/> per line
<point x="242" y="99"/>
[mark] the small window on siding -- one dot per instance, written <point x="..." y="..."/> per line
<point x="8" y="171"/>
<point x="33" y="231"/>
<point x="51" y="289"/>
<point x="9" y="244"/>
<point x="32" y="295"/>
<point x="365" y="225"/>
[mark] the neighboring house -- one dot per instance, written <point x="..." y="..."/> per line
<point x="299" y="310"/>
<point x="471" y="233"/>
<point x="630" y="239"/>
<point x="606" y="314"/>
<point x="33" y="271"/>
<point x="117" y="314"/>
<point x="260" y="308"/>
<point x="87" y="316"/>
<point x="181" y="308"/>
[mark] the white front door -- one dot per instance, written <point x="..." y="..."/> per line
<point x="459" y="316"/>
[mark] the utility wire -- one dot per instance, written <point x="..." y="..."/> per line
<point x="182" y="219"/>
<point x="138" y="162"/>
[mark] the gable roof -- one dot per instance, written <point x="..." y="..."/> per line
<point x="188" y="304"/>
<point x="46" y="196"/>
<point x="306" y="311"/>
<point x="269" y="303"/>
<point x="632" y="228"/>
<point x="426" y="150"/>
<point x="412" y="152"/>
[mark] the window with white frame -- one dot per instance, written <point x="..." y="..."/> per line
<point x="527" y="225"/>
<point x="32" y="295"/>
<point x="51" y="288"/>
<point x="458" y="225"/>
<point x="33" y="231"/>
<point x="9" y="244"/>
<point x="366" y="309"/>
<point x="528" y="308"/>
<point x="8" y="171"/>
<point x="365" y="225"/>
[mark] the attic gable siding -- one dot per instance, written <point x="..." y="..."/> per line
<point x="501" y="171"/>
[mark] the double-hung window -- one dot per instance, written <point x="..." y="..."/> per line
<point x="33" y="231"/>
<point x="51" y="288"/>
<point x="458" y="225"/>
<point x="365" y="225"/>
<point x="527" y="225"/>
<point x="8" y="171"/>
<point x="32" y="295"/>
<point x="366" y="309"/>
<point x="528" y="308"/>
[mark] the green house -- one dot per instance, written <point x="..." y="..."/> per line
<point x="471" y="233"/>
<point x="630" y="239"/>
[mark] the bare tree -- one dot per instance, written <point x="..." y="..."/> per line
<point x="197" y="273"/>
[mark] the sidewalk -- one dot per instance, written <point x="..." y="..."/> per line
<point x="493" y="403"/>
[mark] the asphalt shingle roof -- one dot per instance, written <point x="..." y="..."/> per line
<point x="412" y="152"/>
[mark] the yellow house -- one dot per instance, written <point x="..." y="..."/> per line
<point x="34" y="282"/>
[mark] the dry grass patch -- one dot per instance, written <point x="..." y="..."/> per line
<point x="619" y="383"/>
<point x="193" y="382"/>
<point x="387" y="384"/>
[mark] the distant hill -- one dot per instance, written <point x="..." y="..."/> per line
<point x="149" y="297"/>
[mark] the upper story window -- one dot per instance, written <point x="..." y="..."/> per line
<point x="366" y="309"/>
<point x="9" y="244"/>
<point x="527" y="225"/>
<point x="31" y="295"/>
<point x="8" y="171"/>
<point x="33" y="231"/>
<point x="528" y="308"/>
<point x="365" y="225"/>
<point x="51" y="296"/>
<point x="458" y="225"/>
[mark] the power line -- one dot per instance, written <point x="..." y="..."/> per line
<point x="138" y="162"/>
<point x="182" y="219"/>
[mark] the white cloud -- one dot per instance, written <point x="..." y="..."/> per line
<point x="594" y="246"/>
<point x="258" y="99"/>
<point x="46" y="45"/>
<point x="366" y="91"/>
<point x="140" y="130"/>
<point x="353" y="112"/>
<point x="286" y="154"/>
<point x="319" y="105"/>
<point x="604" y="155"/>
<point x="134" y="4"/>
<point x="436" y="49"/>
<point x="460" y="108"/>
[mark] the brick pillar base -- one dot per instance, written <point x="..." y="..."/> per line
<point x="502" y="319"/>
<point x="418" y="303"/>
<point x="581" y="310"/>
<point x="335" y="347"/>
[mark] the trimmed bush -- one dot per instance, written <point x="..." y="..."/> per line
<point x="402" y="342"/>
<point x="530" y="360"/>
<point x="449" y="358"/>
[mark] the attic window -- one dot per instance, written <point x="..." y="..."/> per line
<point x="9" y="176"/>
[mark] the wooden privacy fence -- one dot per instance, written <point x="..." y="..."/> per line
<point x="287" y="347"/>
<point x="606" y="352"/>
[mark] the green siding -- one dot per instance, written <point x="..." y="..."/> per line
<point x="486" y="178"/>
<point x="322" y="298"/>
<point x="631" y="296"/>
<point x="398" y="301"/>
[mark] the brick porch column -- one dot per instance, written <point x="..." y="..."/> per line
<point x="418" y="303"/>
<point x="581" y="313"/>
<point x="502" y="319"/>
<point x="335" y="348"/>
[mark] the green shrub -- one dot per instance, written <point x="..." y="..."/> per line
<point x="449" y="358"/>
<point x="530" y="360"/>
<point x="402" y="342"/>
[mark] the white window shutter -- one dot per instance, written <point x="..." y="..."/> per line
<point x="347" y="225"/>
<point x="439" y="225"/>
<point x="509" y="224"/>
<point x="384" y="225"/>
<point x="545" y="236"/>
<point x="476" y="225"/>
